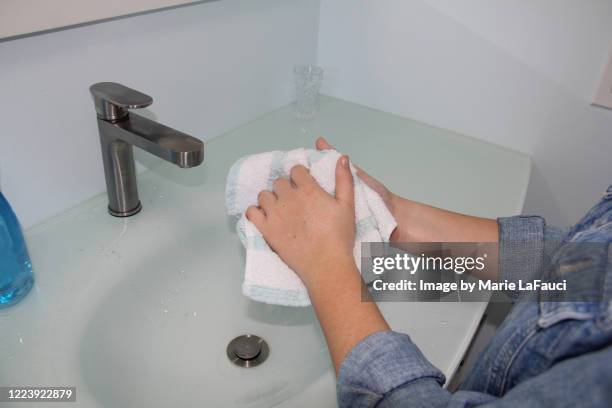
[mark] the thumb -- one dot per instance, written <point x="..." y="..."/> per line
<point x="345" y="190"/>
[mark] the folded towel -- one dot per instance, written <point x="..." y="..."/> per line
<point x="267" y="278"/>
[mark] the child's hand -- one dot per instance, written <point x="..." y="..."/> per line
<point x="308" y="228"/>
<point x="418" y="222"/>
<point x="380" y="188"/>
<point x="396" y="205"/>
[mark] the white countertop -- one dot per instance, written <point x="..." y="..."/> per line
<point x="126" y="307"/>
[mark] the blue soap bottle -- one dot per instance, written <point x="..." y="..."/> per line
<point x="16" y="278"/>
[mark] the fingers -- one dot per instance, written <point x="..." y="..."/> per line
<point x="369" y="180"/>
<point x="281" y="186"/>
<point x="322" y="144"/>
<point x="372" y="182"/>
<point x="266" y="200"/>
<point x="256" y="216"/>
<point x="345" y="190"/>
<point x="300" y="176"/>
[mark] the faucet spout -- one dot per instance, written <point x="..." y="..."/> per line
<point x="166" y="143"/>
<point x="120" y="130"/>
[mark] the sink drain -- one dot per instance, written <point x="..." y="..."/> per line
<point x="248" y="350"/>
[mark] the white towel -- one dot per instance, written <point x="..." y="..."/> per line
<point x="267" y="278"/>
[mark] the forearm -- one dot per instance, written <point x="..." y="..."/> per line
<point x="345" y="318"/>
<point x="419" y="222"/>
<point x="422" y="223"/>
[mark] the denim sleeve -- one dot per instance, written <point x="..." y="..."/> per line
<point x="380" y="364"/>
<point x="386" y="370"/>
<point x="526" y="245"/>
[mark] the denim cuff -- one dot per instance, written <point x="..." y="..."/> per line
<point x="380" y="363"/>
<point x="521" y="247"/>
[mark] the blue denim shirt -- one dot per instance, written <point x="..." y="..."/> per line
<point x="546" y="353"/>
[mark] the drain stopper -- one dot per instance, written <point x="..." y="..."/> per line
<point x="248" y="350"/>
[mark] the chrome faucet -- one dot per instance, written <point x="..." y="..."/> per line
<point x="119" y="130"/>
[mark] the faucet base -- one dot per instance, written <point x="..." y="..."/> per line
<point x="122" y="214"/>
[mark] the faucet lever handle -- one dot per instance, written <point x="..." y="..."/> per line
<point x="112" y="100"/>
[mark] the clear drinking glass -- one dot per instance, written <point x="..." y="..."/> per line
<point x="308" y="80"/>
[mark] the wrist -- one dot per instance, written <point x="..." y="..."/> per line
<point x="330" y="271"/>
<point x="403" y="211"/>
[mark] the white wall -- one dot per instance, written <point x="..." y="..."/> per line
<point x="516" y="73"/>
<point x="209" y="67"/>
<point x="18" y="17"/>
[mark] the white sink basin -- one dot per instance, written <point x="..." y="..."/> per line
<point x="158" y="338"/>
<point x="138" y="312"/>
